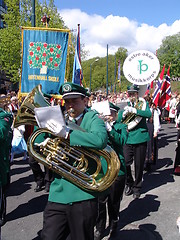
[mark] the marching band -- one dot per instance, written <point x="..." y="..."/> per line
<point x="75" y="208"/>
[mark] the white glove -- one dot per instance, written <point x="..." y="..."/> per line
<point x="57" y="129"/>
<point x="125" y="113"/>
<point x="131" y="110"/>
<point x="43" y="144"/>
<point x="108" y="126"/>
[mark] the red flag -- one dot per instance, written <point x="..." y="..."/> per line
<point x="151" y="86"/>
<point x="147" y="90"/>
<point x="165" y="92"/>
<point x="157" y="90"/>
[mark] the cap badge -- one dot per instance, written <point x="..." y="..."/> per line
<point x="67" y="88"/>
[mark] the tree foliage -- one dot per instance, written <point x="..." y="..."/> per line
<point x="99" y="77"/>
<point x="10" y="41"/>
<point x="169" y="53"/>
<point x="19" y="13"/>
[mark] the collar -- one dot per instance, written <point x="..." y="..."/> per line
<point x="77" y="118"/>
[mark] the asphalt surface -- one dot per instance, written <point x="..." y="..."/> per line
<point x="152" y="217"/>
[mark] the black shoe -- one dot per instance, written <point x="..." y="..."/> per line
<point x="136" y="195"/>
<point x="39" y="187"/>
<point x="128" y="190"/>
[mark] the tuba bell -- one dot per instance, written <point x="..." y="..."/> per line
<point x="79" y="165"/>
<point x="25" y="114"/>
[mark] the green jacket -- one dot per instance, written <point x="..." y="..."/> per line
<point x="63" y="191"/>
<point x="117" y="138"/>
<point x="6" y="120"/>
<point x="139" y="134"/>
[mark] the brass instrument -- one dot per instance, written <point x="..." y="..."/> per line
<point x="76" y="163"/>
<point x="73" y="163"/>
<point x="26" y="115"/>
<point x="131" y="119"/>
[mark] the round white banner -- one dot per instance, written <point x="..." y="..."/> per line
<point x="141" y="67"/>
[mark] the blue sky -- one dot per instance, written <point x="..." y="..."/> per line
<point x="132" y="24"/>
<point x="152" y="12"/>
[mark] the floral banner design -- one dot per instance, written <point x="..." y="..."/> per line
<point x="43" y="54"/>
<point x="44" y="59"/>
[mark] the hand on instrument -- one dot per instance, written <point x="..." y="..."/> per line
<point x="108" y="126"/>
<point x="125" y="113"/>
<point x="131" y="110"/>
<point x="43" y="144"/>
<point x="57" y="129"/>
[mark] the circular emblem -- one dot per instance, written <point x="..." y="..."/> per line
<point x="67" y="88"/>
<point x="141" y="67"/>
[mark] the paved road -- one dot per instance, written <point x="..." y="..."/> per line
<point x="153" y="216"/>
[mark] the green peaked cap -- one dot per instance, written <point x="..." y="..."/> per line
<point x="113" y="107"/>
<point x="72" y="90"/>
<point x="133" y="88"/>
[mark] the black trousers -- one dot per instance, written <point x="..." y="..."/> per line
<point x="136" y="153"/>
<point x="77" y="219"/>
<point x="39" y="175"/>
<point x="113" y="202"/>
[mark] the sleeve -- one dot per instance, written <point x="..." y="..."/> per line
<point x="119" y="134"/>
<point x="95" y="136"/>
<point x="119" y="118"/>
<point x="145" y="113"/>
<point x="156" y="121"/>
<point x="4" y="129"/>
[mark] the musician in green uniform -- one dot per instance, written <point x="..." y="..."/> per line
<point x="6" y="120"/>
<point x="135" y="148"/>
<point x="70" y="209"/>
<point x="117" y="134"/>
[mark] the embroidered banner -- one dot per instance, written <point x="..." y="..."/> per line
<point x="44" y="53"/>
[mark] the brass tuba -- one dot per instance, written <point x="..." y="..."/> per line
<point x="34" y="99"/>
<point x="79" y="165"/>
<point x="132" y="120"/>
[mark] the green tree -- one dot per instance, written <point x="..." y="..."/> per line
<point x="121" y="55"/>
<point x="169" y="53"/>
<point x="99" y="71"/>
<point x="10" y="41"/>
<point x="19" y="14"/>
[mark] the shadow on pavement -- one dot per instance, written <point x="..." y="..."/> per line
<point x="38" y="236"/>
<point x="163" y="141"/>
<point x="20" y="186"/>
<point x="36" y="205"/>
<point x="139" y="209"/>
<point x="141" y="232"/>
<point x="156" y="179"/>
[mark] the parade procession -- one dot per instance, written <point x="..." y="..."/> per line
<point x="86" y="156"/>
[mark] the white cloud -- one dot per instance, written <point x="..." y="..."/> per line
<point x="116" y="31"/>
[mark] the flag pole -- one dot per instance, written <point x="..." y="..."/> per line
<point x="107" y="74"/>
<point x="115" y="75"/>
